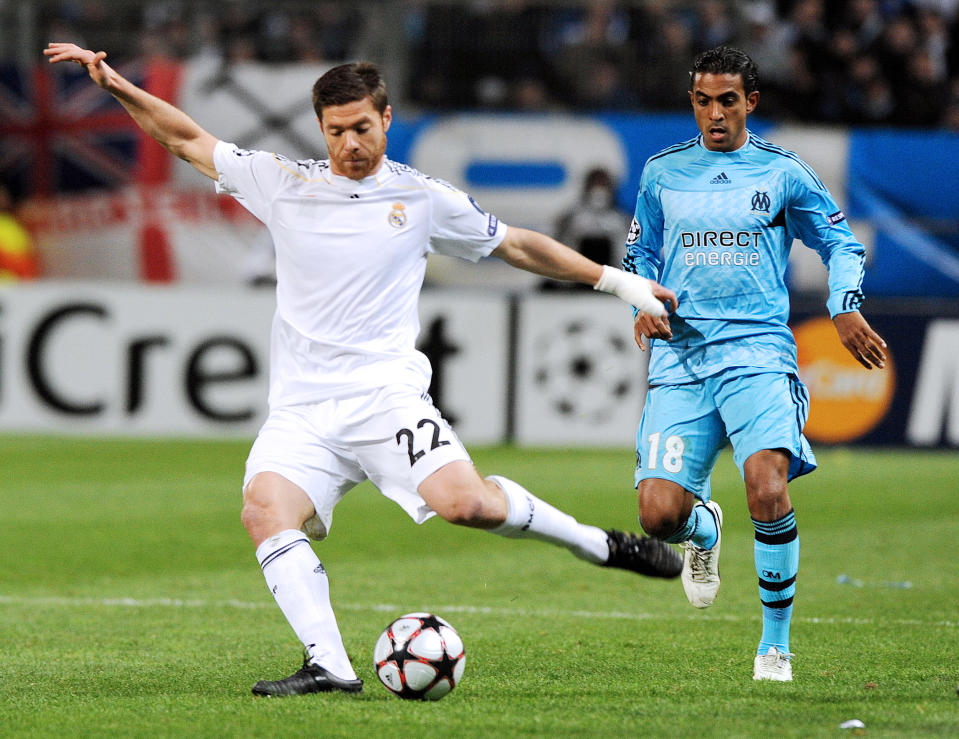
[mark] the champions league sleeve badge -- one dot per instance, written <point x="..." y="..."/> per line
<point x="635" y="231"/>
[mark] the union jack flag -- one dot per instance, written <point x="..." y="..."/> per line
<point x="59" y="132"/>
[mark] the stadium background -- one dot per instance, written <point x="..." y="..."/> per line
<point x="146" y="320"/>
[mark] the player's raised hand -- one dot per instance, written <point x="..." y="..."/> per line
<point x="93" y="61"/>
<point x="860" y="340"/>
<point x="171" y="127"/>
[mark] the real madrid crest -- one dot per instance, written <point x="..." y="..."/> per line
<point x="397" y="217"/>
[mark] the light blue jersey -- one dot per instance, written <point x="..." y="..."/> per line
<point x="717" y="228"/>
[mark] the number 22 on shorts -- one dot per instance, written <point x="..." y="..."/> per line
<point x="673" y="448"/>
<point x="407" y="434"/>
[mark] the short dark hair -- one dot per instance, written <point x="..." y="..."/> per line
<point x="348" y="83"/>
<point x="726" y="60"/>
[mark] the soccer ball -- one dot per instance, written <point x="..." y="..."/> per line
<point x="419" y="657"/>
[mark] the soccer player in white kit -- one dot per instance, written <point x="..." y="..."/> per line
<point x="348" y="389"/>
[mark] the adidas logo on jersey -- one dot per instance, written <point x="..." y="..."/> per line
<point x="720" y="179"/>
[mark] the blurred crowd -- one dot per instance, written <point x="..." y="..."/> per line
<point x="893" y="62"/>
<point x="859" y="61"/>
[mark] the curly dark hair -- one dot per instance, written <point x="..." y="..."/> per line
<point x="727" y="60"/>
<point x="348" y="83"/>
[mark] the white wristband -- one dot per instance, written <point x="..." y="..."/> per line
<point x="631" y="288"/>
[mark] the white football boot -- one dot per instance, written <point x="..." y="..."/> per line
<point x="774" y="665"/>
<point x="701" y="566"/>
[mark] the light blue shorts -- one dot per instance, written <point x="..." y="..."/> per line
<point x="684" y="427"/>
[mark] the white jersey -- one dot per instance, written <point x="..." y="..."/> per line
<point x="350" y="262"/>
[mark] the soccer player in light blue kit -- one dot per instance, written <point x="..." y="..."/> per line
<point x="715" y="219"/>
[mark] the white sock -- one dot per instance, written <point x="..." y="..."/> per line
<point x="302" y="591"/>
<point x="530" y="517"/>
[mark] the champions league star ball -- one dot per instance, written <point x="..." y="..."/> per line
<point x="419" y="657"/>
<point x="585" y="370"/>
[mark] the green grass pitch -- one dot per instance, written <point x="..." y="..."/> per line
<point x="131" y="604"/>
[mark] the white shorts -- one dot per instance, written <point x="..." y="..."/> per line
<point x="393" y="436"/>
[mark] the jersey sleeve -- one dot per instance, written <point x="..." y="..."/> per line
<point x="644" y="242"/>
<point x="460" y="227"/>
<point x="251" y="177"/>
<point x="813" y="216"/>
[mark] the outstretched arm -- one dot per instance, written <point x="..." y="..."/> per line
<point x="171" y="127"/>
<point x="542" y="255"/>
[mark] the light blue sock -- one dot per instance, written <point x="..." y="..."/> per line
<point x="776" y="551"/>
<point x="700" y="528"/>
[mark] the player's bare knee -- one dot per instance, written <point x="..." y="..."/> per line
<point x="272" y="504"/>
<point x="463" y="511"/>
<point x="655" y="522"/>
<point x="660" y="511"/>
<point x="658" y="517"/>
<point x="659" y="528"/>
<point x="257" y="495"/>
<point x="472" y="505"/>
<point x="254" y="514"/>
<point x="460" y="496"/>
<point x="768" y="502"/>
<point x="766" y="490"/>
